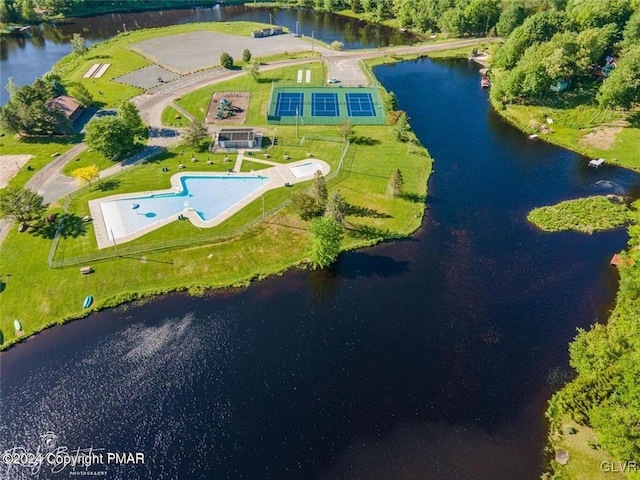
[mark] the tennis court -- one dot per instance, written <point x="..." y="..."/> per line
<point x="289" y="104"/>
<point x="325" y="106"/>
<point x="360" y="105"/>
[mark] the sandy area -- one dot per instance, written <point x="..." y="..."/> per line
<point x="240" y="103"/>
<point x="601" y="138"/>
<point x="9" y="166"/>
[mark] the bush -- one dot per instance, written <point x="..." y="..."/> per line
<point x="337" y="45"/>
<point x="226" y="60"/>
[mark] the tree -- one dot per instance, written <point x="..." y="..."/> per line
<point x="21" y="204"/>
<point x="318" y="190"/>
<point x="195" y="132"/>
<point x="83" y="95"/>
<point x="110" y="136"/>
<point x="246" y="55"/>
<point x="511" y="17"/>
<point x="78" y="43"/>
<point x="391" y="102"/>
<point x="396" y="183"/>
<point x="253" y="70"/>
<point x="622" y="88"/>
<point x="307" y="207"/>
<point x="86" y="174"/>
<point x="326" y="237"/>
<point x="226" y="60"/>
<point x="336" y="207"/>
<point x="346" y="129"/>
<point x="402" y="128"/>
<point x="128" y="112"/>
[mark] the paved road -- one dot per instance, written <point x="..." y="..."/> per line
<point x="53" y="185"/>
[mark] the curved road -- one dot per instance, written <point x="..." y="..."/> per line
<point x="53" y="185"/>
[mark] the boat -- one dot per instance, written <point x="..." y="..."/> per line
<point x="596" y="162"/>
<point x="533" y="136"/>
<point x="17" y="325"/>
<point x="485" y="82"/>
<point x="87" y="301"/>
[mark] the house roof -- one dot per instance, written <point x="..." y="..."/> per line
<point x="65" y="103"/>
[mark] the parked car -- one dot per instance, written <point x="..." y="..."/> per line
<point x="333" y="80"/>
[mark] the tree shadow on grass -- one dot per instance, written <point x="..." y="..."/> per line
<point x="357" y="211"/>
<point x="414" y="197"/>
<point x="72" y="226"/>
<point x="107" y="185"/>
<point x="362" y="140"/>
<point x="634" y="119"/>
<point x="369" y="232"/>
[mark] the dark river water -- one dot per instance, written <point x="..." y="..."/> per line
<point x="25" y="58"/>
<point x="421" y="359"/>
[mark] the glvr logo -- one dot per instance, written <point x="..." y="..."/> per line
<point x="620" y="467"/>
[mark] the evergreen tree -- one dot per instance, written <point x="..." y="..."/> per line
<point x="83" y="95"/>
<point x="326" y="237"/>
<point x="78" y="44"/>
<point x="306" y="206"/>
<point x="396" y="183"/>
<point x="402" y="128"/>
<point x="128" y="112"/>
<point x="246" y="55"/>
<point x="391" y="103"/>
<point x="195" y="132"/>
<point x="318" y="190"/>
<point x="336" y="207"/>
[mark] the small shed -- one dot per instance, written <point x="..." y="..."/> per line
<point x="561" y="85"/>
<point x="67" y="105"/>
<point x="233" y="138"/>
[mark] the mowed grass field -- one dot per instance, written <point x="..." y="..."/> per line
<point x="41" y="297"/>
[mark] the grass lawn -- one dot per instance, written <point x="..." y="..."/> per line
<point x="584" y="461"/>
<point x="116" y="51"/>
<point x="581" y="126"/>
<point x="43" y="150"/>
<point x="271" y="246"/>
<point x="173" y="118"/>
<point x="197" y="102"/>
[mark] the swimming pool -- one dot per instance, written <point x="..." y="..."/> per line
<point x="206" y="195"/>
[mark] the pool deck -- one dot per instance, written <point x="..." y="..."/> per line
<point x="279" y="174"/>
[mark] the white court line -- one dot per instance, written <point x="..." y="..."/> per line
<point x="92" y="70"/>
<point x="102" y="70"/>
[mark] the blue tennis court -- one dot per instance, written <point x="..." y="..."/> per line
<point x="287" y="103"/>
<point x="324" y="105"/>
<point x="360" y="105"/>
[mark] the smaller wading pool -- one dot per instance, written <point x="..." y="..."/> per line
<point x="207" y="196"/>
<point x="305" y="170"/>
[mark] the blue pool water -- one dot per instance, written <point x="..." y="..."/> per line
<point x="208" y="196"/>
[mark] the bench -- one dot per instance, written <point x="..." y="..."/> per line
<point x="86" y="270"/>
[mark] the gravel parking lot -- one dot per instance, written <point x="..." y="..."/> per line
<point x="194" y="51"/>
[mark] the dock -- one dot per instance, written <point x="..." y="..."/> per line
<point x="596" y="162"/>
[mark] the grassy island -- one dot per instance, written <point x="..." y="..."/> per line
<point x="586" y="215"/>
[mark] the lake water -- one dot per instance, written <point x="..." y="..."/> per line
<point x="26" y="58"/>
<point x="426" y="358"/>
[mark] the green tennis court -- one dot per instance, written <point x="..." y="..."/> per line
<point x="325" y="106"/>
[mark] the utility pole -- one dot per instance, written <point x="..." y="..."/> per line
<point x="114" y="242"/>
<point x="312" y="37"/>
